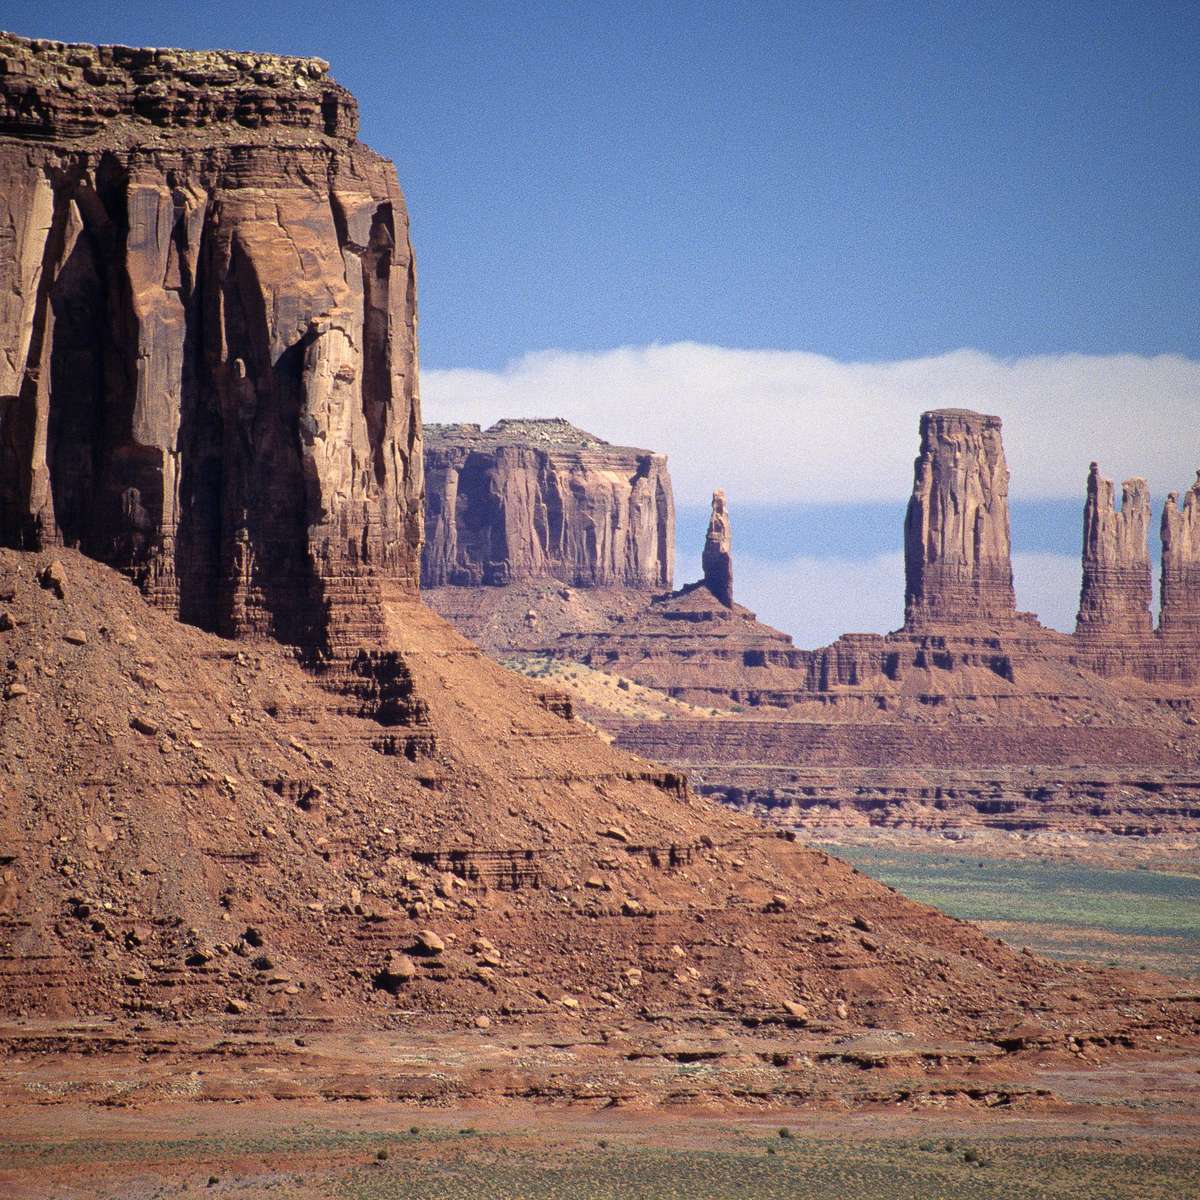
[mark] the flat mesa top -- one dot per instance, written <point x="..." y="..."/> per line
<point x="968" y="416"/>
<point x="550" y="433"/>
<point x="73" y="91"/>
<point x="51" y="56"/>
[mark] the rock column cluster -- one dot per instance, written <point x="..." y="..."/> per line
<point x="957" y="541"/>
<point x="1180" y="614"/>
<point x="1116" y="595"/>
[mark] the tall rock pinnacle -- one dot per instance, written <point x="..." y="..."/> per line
<point x="718" y="556"/>
<point x="957" y="544"/>
<point x="1181" y="563"/>
<point x="1116" y="593"/>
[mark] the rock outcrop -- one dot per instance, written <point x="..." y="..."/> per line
<point x="208" y="848"/>
<point x="541" y="500"/>
<point x="1116" y="594"/>
<point x="207" y="307"/>
<point x="717" y="559"/>
<point x="957" y="541"/>
<point x="967" y="717"/>
<point x="1180" y="612"/>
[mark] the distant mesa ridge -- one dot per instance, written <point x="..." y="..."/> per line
<point x="542" y="499"/>
<point x="537" y="499"/>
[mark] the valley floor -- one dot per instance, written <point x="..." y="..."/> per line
<point x="1109" y="1146"/>
<point x="1107" y="902"/>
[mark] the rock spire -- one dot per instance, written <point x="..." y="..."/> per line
<point x="957" y="542"/>
<point x="1116" y="594"/>
<point x="718" y="557"/>
<point x="1180" y="612"/>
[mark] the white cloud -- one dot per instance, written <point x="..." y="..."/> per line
<point x="773" y="426"/>
<point x="818" y="599"/>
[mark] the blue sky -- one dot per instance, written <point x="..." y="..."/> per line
<point x="861" y="180"/>
<point x="880" y="186"/>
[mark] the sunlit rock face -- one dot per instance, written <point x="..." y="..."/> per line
<point x="957" y="540"/>
<point x="1180" y="614"/>
<point x="207" y="310"/>
<point x="541" y="500"/>
<point x="717" y="558"/>
<point x="1116" y="594"/>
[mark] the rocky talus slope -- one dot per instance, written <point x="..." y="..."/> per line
<point x="195" y="826"/>
<point x="359" y="821"/>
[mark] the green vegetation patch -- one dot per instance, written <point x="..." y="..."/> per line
<point x="1128" y="918"/>
<point x="789" y="1168"/>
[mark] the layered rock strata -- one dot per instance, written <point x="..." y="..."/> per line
<point x="195" y="830"/>
<point x="1180" y="613"/>
<point x="717" y="558"/>
<point x="193" y="834"/>
<point x="542" y="500"/>
<point x="998" y="721"/>
<point x="207" y="306"/>
<point x="1116" y="594"/>
<point x="957" y="541"/>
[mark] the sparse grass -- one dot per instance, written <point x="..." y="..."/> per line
<point x="447" y="1166"/>
<point x="816" y="1170"/>
<point x="1136" y="918"/>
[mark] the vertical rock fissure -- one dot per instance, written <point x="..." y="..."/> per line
<point x="376" y="372"/>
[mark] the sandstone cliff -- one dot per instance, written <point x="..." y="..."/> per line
<point x="1180" y="614"/>
<point x="1116" y="594"/>
<point x="957" y="544"/>
<point x="209" y="344"/>
<point x="717" y="559"/>
<point x="528" y="500"/>
<point x="207" y="309"/>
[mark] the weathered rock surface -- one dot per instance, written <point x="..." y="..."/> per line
<point x="957" y="542"/>
<point x="1116" y="594"/>
<point x="207" y="311"/>
<point x="717" y="558"/>
<point x="542" y="500"/>
<point x="1180" y="615"/>
<point x="219" y="397"/>
<point x="1002" y="722"/>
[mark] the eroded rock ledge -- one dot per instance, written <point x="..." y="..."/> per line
<point x="65" y="91"/>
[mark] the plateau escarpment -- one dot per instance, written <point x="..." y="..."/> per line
<point x="210" y="339"/>
<point x="535" y="528"/>
<point x="542" y="500"/>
